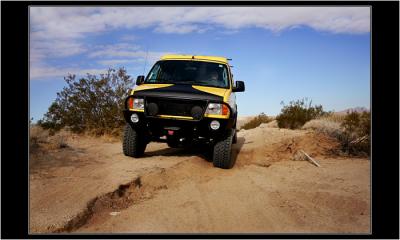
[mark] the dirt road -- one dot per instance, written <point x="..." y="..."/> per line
<point x="91" y="187"/>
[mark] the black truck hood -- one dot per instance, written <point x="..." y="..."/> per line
<point x="178" y="91"/>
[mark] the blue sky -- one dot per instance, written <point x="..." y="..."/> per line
<point x="280" y="53"/>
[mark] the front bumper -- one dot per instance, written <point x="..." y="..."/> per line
<point x="156" y="127"/>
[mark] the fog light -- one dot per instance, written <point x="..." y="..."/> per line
<point x="134" y="118"/>
<point x="214" y="125"/>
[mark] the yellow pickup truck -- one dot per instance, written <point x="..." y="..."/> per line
<point x="184" y="100"/>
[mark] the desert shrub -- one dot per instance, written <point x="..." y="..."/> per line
<point x="333" y="117"/>
<point x="356" y="138"/>
<point x="59" y="140"/>
<point x="325" y="126"/>
<point x="352" y="130"/>
<point x="297" y="113"/>
<point x="90" y="103"/>
<point x="37" y="135"/>
<point x="33" y="144"/>
<point x="42" y="139"/>
<point x="257" y="121"/>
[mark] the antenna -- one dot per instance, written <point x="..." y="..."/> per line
<point x="145" y="62"/>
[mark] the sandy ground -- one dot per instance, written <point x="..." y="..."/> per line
<point x="91" y="186"/>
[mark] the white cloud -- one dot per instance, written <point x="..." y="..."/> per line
<point x="72" y="22"/>
<point x="125" y="62"/>
<point x="128" y="38"/>
<point x="118" y="53"/>
<point x="114" y="62"/>
<point x="59" y="48"/>
<point x="111" y="55"/>
<point x="116" y="50"/>
<point x="57" y="32"/>
<point x="173" y="28"/>
<point x="49" y="72"/>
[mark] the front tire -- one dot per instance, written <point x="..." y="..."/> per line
<point x="222" y="156"/>
<point x="235" y="135"/>
<point x="133" y="144"/>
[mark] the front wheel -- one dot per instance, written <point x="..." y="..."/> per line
<point x="234" y="137"/>
<point x="222" y="156"/>
<point x="133" y="144"/>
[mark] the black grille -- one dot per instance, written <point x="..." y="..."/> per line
<point x="175" y="107"/>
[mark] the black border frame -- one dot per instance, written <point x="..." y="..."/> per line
<point x="385" y="119"/>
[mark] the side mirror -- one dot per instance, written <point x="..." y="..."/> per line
<point x="139" y="80"/>
<point x="239" y="87"/>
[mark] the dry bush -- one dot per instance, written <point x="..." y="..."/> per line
<point x="90" y="104"/>
<point x="297" y="113"/>
<point x="357" y="140"/>
<point x="352" y="130"/>
<point x="59" y="140"/>
<point x="39" y="133"/>
<point x="37" y="136"/>
<point x="333" y="117"/>
<point x="113" y="135"/>
<point x="326" y="126"/>
<point x="33" y="144"/>
<point x="257" y="121"/>
<point x="43" y="139"/>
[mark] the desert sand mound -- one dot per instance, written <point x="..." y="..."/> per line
<point x="264" y="145"/>
<point x="241" y="120"/>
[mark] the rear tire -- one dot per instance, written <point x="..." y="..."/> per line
<point x="222" y="157"/>
<point x="133" y="144"/>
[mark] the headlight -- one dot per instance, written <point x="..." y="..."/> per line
<point x="217" y="109"/>
<point x="138" y="103"/>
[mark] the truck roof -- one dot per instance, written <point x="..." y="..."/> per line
<point x="195" y="57"/>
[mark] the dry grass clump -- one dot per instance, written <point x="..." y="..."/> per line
<point x="59" y="140"/>
<point x="42" y="139"/>
<point x="109" y="135"/>
<point x="357" y="139"/>
<point x="257" y="121"/>
<point x="326" y="126"/>
<point x="37" y="136"/>
<point x="333" y="117"/>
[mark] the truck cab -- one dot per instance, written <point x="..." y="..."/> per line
<point x="184" y="100"/>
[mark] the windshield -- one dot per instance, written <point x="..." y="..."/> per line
<point x="189" y="72"/>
